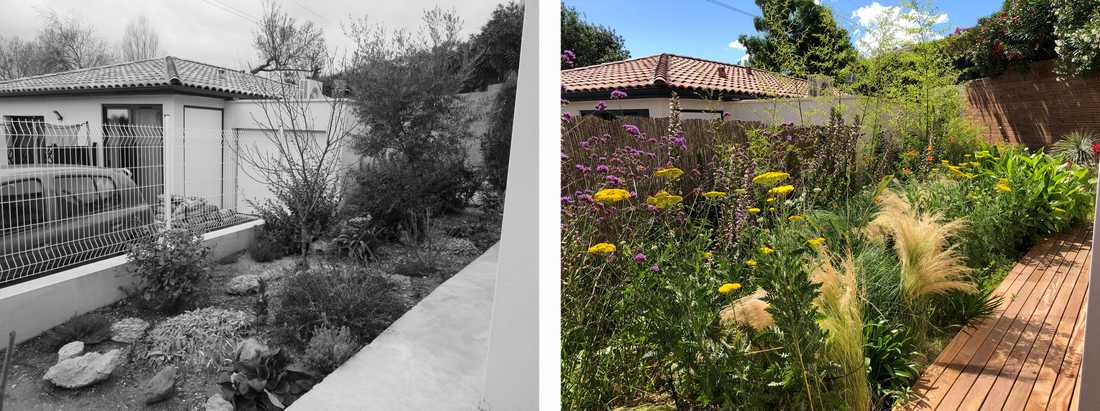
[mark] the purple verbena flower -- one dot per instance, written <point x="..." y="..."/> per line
<point x="602" y="168"/>
<point x="566" y="116"/>
<point x="639" y="257"/>
<point x="655" y="268"/>
<point x="567" y="57"/>
<point x="583" y="168"/>
<point x="613" y="180"/>
<point x="632" y="129"/>
<point x="566" y="200"/>
<point x="601" y="106"/>
<point x="615" y="94"/>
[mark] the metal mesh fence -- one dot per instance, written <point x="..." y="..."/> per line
<point x="70" y="195"/>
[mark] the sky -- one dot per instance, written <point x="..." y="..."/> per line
<point x="219" y="32"/>
<point x="709" y="28"/>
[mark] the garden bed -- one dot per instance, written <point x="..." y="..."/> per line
<point x="26" y="390"/>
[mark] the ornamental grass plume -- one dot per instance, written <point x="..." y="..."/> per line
<point x="749" y="311"/>
<point x="929" y="265"/>
<point x="839" y="301"/>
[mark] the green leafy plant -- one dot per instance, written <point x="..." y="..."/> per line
<point x="357" y="238"/>
<point x="263" y="380"/>
<point x="169" y="268"/>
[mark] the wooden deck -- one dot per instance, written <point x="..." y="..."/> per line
<point x="1028" y="355"/>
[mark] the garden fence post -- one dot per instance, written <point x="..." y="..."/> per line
<point x="167" y="133"/>
<point x="1090" y="354"/>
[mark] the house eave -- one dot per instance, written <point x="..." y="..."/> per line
<point x="138" y="90"/>
<point x="658" y="91"/>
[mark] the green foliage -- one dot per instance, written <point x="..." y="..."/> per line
<point x="278" y="236"/>
<point x="263" y="381"/>
<point x="1076" y="24"/>
<point x="89" y="328"/>
<point x="497" y="46"/>
<point x="891" y="358"/>
<point x="592" y="44"/>
<point x="406" y="89"/>
<point x="799" y="38"/>
<point x="329" y="348"/>
<point x="169" y="268"/>
<point x="1021" y="32"/>
<point x="1076" y="147"/>
<point x="496" y="143"/>
<point x="400" y="196"/>
<point x="335" y="296"/>
<point x="357" y="239"/>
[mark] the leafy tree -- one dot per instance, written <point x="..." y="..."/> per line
<point x="592" y="44"/>
<point x="498" y="46"/>
<point x="1076" y="26"/>
<point x="497" y="140"/>
<point x="799" y="38"/>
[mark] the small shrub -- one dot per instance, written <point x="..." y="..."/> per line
<point x="329" y="348"/>
<point x="263" y="380"/>
<point x="90" y="328"/>
<point x="357" y="239"/>
<point x="266" y="247"/>
<point x="415" y="268"/>
<point x="202" y="337"/>
<point x="1075" y="147"/>
<point x="497" y="141"/>
<point x="169" y="268"/>
<point x="336" y="296"/>
<point x="400" y="195"/>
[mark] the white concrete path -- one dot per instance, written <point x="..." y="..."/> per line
<point x="432" y="358"/>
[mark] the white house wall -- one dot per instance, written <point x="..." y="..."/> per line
<point x="808" y="111"/>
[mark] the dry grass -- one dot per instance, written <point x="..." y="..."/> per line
<point x="929" y="265"/>
<point x="199" y="338"/>
<point x="750" y="310"/>
<point x="840" y="300"/>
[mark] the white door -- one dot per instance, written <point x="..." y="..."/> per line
<point x="202" y="154"/>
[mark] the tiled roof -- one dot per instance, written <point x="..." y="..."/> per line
<point x="682" y="72"/>
<point x="147" y="74"/>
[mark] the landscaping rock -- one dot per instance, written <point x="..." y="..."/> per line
<point x="160" y="387"/>
<point x="70" y="350"/>
<point x="85" y="370"/>
<point x="217" y="403"/>
<point x="243" y="284"/>
<point x="250" y="349"/>
<point x="128" y="330"/>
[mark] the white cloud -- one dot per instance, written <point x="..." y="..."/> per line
<point x="745" y="60"/>
<point x="889" y="27"/>
<point x="736" y="45"/>
<point x="202" y="31"/>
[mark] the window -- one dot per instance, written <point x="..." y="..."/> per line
<point x="21" y="204"/>
<point x="610" y="114"/>
<point x="77" y="195"/>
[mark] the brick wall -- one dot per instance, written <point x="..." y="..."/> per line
<point x="1030" y="106"/>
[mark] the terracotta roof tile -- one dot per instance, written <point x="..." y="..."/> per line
<point x="158" y="72"/>
<point x="682" y="72"/>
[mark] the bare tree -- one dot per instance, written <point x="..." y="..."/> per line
<point x="298" y="158"/>
<point x="19" y="58"/>
<point x="285" y="44"/>
<point x="67" y="45"/>
<point x="140" y="42"/>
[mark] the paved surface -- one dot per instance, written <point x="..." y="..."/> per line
<point x="432" y="358"/>
<point x="1028" y="355"/>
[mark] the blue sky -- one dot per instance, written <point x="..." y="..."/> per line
<point x="701" y="28"/>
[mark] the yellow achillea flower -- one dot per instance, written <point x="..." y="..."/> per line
<point x="663" y="199"/>
<point x="602" y="248"/>
<point x="770" y="178"/>
<point x="771" y="199"/>
<point x="753" y="210"/>
<point x="670" y="173"/>
<point x="772" y="209"/>
<point x="794" y="218"/>
<point x="728" y="288"/>
<point x="958" y="171"/>
<point x="751" y="263"/>
<point x="1004" y="188"/>
<point x="611" y="195"/>
<point x="708" y="255"/>
<point x="816" y="242"/>
<point x="781" y="190"/>
<point x="766" y="250"/>
<point x="714" y="194"/>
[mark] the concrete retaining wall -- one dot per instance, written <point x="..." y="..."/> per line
<point x="35" y="306"/>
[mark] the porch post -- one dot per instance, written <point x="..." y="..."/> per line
<point x="167" y="132"/>
<point x="1090" y="355"/>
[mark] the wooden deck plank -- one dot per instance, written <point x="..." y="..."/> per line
<point x="975" y="381"/>
<point x="1067" y="381"/>
<point x="968" y="340"/>
<point x="1013" y="386"/>
<point x="1028" y="354"/>
<point x="1047" y="369"/>
<point x="965" y="370"/>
